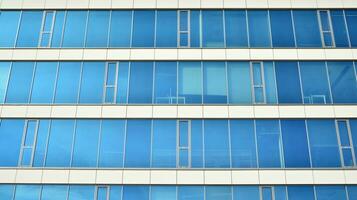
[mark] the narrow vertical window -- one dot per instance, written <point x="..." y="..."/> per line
<point x="267" y="193"/>
<point x="258" y="86"/>
<point x="47" y="28"/>
<point x="28" y="143"/>
<point x="102" y="193"/>
<point x="326" y="28"/>
<point x="184" y="28"/>
<point x="346" y="146"/>
<point x="184" y="143"/>
<point x="110" y="86"/>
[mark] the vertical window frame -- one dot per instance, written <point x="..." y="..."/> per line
<point x="323" y="32"/>
<point x="188" y="147"/>
<point x="180" y="32"/>
<point x="341" y="147"/>
<point x="44" y="32"/>
<point x="24" y="146"/>
<point x="106" y="85"/>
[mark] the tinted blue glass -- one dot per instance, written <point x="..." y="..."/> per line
<point x="143" y="28"/>
<point x="351" y="18"/>
<point x="115" y="192"/>
<point x="307" y="34"/>
<point x="166" y="28"/>
<point x="44" y="82"/>
<point x="353" y="126"/>
<point x="10" y="141"/>
<point x="339" y="28"/>
<point x="301" y="192"/>
<point x="54" y="192"/>
<point x="189" y="83"/>
<point x="138" y="142"/>
<point x="269" y="143"/>
<point x="165" y="83"/>
<point x="243" y="147"/>
<point x="282" y="28"/>
<point x="267" y="193"/>
<point x="236" y="28"/>
<point x="196" y="144"/>
<point x="352" y="192"/>
<point x="6" y="192"/>
<point x="60" y="143"/>
<point x="27" y="192"/>
<point x="296" y="150"/>
<point x="92" y="82"/>
<point x="135" y="192"/>
<point x="280" y="193"/>
<point x="58" y="29"/>
<point x="163" y="193"/>
<point x="74" y="29"/>
<point x="4" y="78"/>
<point x="141" y="82"/>
<point x="41" y="143"/>
<point x="86" y="143"/>
<point x="102" y="193"/>
<point x="323" y="143"/>
<point x="216" y="141"/>
<point x="212" y="28"/>
<point x="164" y="143"/>
<point x="218" y="192"/>
<point x="190" y="193"/>
<point x="97" y="29"/>
<point x="314" y="82"/>
<point x="239" y="83"/>
<point x="246" y="192"/>
<point x="259" y="33"/>
<point x="287" y="77"/>
<point x="18" y="89"/>
<point x="111" y="143"/>
<point x="9" y="21"/>
<point x="120" y="25"/>
<point x="214" y="82"/>
<point x="29" y="29"/>
<point x="123" y="76"/>
<point x="270" y="83"/>
<point x="330" y="192"/>
<point x="343" y="82"/>
<point x="80" y="192"/>
<point x="68" y="82"/>
<point x="195" y="28"/>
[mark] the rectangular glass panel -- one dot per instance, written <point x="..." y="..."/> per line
<point x="190" y="193"/>
<point x="54" y="192"/>
<point x="111" y="74"/>
<point x="163" y="193"/>
<point x="184" y="133"/>
<point x="347" y="157"/>
<point x="351" y="18"/>
<point x="141" y="82"/>
<point x="212" y="28"/>
<point x="239" y="83"/>
<point x="166" y="28"/>
<point x="218" y="192"/>
<point x="288" y="82"/>
<point x="214" y="82"/>
<point x="44" y="82"/>
<point x="282" y="28"/>
<point x="270" y="83"/>
<point x="352" y="192"/>
<point x="92" y="82"/>
<point x="307" y="34"/>
<point x="195" y="22"/>
<point x="30" y="133"/>
<point x="135" y="192"/>
<point x="122" y="87"/>
<point x="9" y="22"/>
<point x="330" y="192"/>
<point x="259" y="30"/>
<point x="74" y="29"/>
<point x="109" y="95"/>
<point x="143" y="28"/>
<point x="41" y="143"/>
<point x="68" y="82"/>
<point x="58" y="29"/>
<point x="164" y="144"/>
<point x="45" y="40"/>
<point x="184" y="158"/>
<point x="26" y="157"/>
<point x="196" y="144"/>
<point x="81" y="192"/>
<point x="339" y="28"/>
<point x="27" y="192"/>
<point x="267" y="193"/>
<point x="246" y="192"/>
<point x="236" y="28"/>
<point x="120" y="28"/>
<point x="4" y="78"/>
<point x="47" y="26"/>
<point x="184" y="16"/>
<point x="102" y="193"/>
<point x="301" y="192"/>
<point x="97" y="29"/>
<point x="343" y="132"/>
<point x="29" y="30"/>
<point x="115" y="192"/>
<point x="165" y="86"/>
<point x="189" y="83"/>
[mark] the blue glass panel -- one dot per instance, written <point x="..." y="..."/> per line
<point x="287" y="77"/>
<point x="323" y="143"/>
<point x="259" y="33"/>
<point x="4" y="78"/>
<point x="339" y="28"/>
<point x="54" y="192"/>
<point x="353" y="126"/>
<point x="120" y="25"/>
<point x="165" y="87"/>
<point x="195" y="28"/>
<point x="270" y="83"/>
<point x="307" y="34"/>
<point x="80" y="192"/>
<point x="343" y="82"/>
<point x="115" y="192"/>
<point x="19" y="86"/>
<point x="102" y="193"/>
<point x="138" y="143"/>
<point x="189" y="83"/>
<point x="280" y="193"/>
<point x="282" y="28"/>
<point x="301" y="192"/>
<point x="330" y="192"/>
<point x="239" y="83"/>
<point x="9" y="21"/>
<point x="44" y="82"/>
<point x="92" y="82"/>
<point x="166" y="28"/>
<point x="164" y="144"/>
<point x="68" y="82"/>
<point x="243" y="144"/>
<point x="351" y="18"/>
<point x="97" y="28"/>
<point x="27" y="192"/>
<point x="212" y="28"/>
<point x="196" y="144"/>
<point x="246" y="192"/>
<point x="296" y="150"/>
<point x="135" y="192"/>
<point x="216" y="141"/>
<point x="60" y="143"/>
<point x="58" y="29"/>
<point x="29" y="29"/>
<point x="190" y="193"/>
<point x="74" y="29"/>
<point x="267" y="193"/>
<point x="214" y="82"/>
<point x="6" y="192"/>
<point x="352" y="192"/>
<point x="10" y="141"/>
<point x="163" y="193"/>
<point x="41" y="143"/>
<point x="141" y="82"/>
<point x="236" y="28"/>
<point x="123" y="76"/>
<point x="143" y="28"/>
<point x="218" y="192"/>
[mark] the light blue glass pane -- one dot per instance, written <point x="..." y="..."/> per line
<point x="301" y="192"/>
<point x="269" y="143"/>
<point x="115" y="192"/>
<point x="270" y="83"/>
<point x="183" y="133"/>
<point x="135" y="192"/>
<point x="60" y="143"/>
<point x="343" y="82"/>
<point x="47" y="24"/>
<point x="214" y="83"/>
<point x="6" y="192"/>
<point x="307" y="34"/>
<point x="353" y="126"/>
<point x="166" y="28"/>
<point x="296" y="150"/>
<point x="29" y="29"/>
<point x="45" y="40"/>
<point x="212" y="28"/>
<point x="243" y="144"/>
<point x="258" y="95"/>
<point x="92" y="82"/>
<point x="267" y="193"/>
<point x="314" y="83"/>
<point x="112" y="143"/>
<point x="323" y="143"/>
<point x="195" y="28"/>
<point x="246" y="192"/>
<point x="352" y="192"/>
<point x="196" y="144"/>
<point x="351" y="18"/>
<point x="330" y="192"/>
<point x="77" y="192"/>
<point x="163" y="193"/>
<point x="9" y="21"/>
<point x="41" y="143"/>
<point x="165" y="83"/>
<point x="58" y="29"/>
<point x="123" y="76"/>
<point x="141" y="82"/>
<point x="236" y="28"/>
<point x="259" y="33"/>
<point x="343" y="133"/>
<point x="184" y="14"/>
<point x="26" y="157"/>
<point x="143" y="28"/>
<point x="280" y="193"/>
<point x="216" y="141"/>
<point x="184" y="158"/>
<point x="190" y="193"/>
<point x="74" y="29"/>
<point x="282" y="28"/>
<point x="97" y="29"/>
<point x="347" y="157"/>
<point x="18" y="90"/>
<point x="189" y="83"/>
<point x="102" y="193"/>
<point x="218" y="192"/>
<point x="239" y="83"/>
<point x="10" y="141"/>
<point x="339" y="28"/>
<point x="164" y="144"/>
<point x="68" y="82"/>
<point x="27" y="192"/>
<point x="287" y="76"/>
<point x="4" y="78"/>
<point x="184" y="39"/>
<point x="120" y="28"/>
<point x="54" y="192"/>
<point x="138" y="143"/>
<point x="44" y="82"/>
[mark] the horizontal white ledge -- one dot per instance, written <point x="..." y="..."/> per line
<point x="179" y="111"/>
<point x="178" y="177"/>
<point x="163" y="4"/>
<point x="177" y="54"/>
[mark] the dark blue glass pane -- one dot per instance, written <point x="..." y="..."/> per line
<point x="218" y="192"/>
<point x="307" y="34"/>
<point x="141" y="82"/>
<point x="270" y="83"/>
<point x="246" y="192"/>
<point x="18" y="89"/>
<point x="212" y="28"/>
<point x="301" y="192"/>
<point x="10" y="141"/>
<point x="4" y="78"/>
<point x="143" y="28"/>
<point x="196" y="144"/>
<point x="74" y="29"/>
<point x="214" y="83"/>
<point x="239" y="83"/>
<point x="54" y="192"/>
<point x="97" y="29"/>
<point x="165" y="83"/>
<point x="6" y="192"/>
<point x="58" y="29"/>
<point x="123" y="76"/>
<point x="351" y="17"/>
<point x="164" y="144"/>
<point x="189" y="83"/>
<point x="80" y="192"/>
<point x="135" y="192"/>
<point x="339" y="28"/>
<point x="195" y="28"/>
<point x="68" y="82"/>
<point x="236" y="28"/>
<point x="120" y="28"/>
<point x="282" y="29"/>
<point x="353" y="126"/>
<point x="190" y="193"/>
<point x="9" y="22"/>
<point x="27" y="192"/>
<point x="259" y="32"/>
<point x="280" y="193"/>
<point x="166" y="28"/>
<point x="330" y="192"/>
<point x="163" y="193"/>
<point x="352" y="192"/>
<point x="287" y="77"/>
<point x="29" y="29"/>
<point x="92" y="82"/>
<point x="41" y="143"/>
<point x="44" y="82"/>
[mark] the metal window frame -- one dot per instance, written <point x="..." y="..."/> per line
<point x="179" y="147"/>
<point x="180" y="32"/>
<point x="106" y="86"/>
<point x="44" y="32"/>
<point x="23" y="146"/>
<point x="341" y="148"/>
<point x="322" y="31"/>
<point x="96" y="190"/>
<point x="255" y="86"/>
